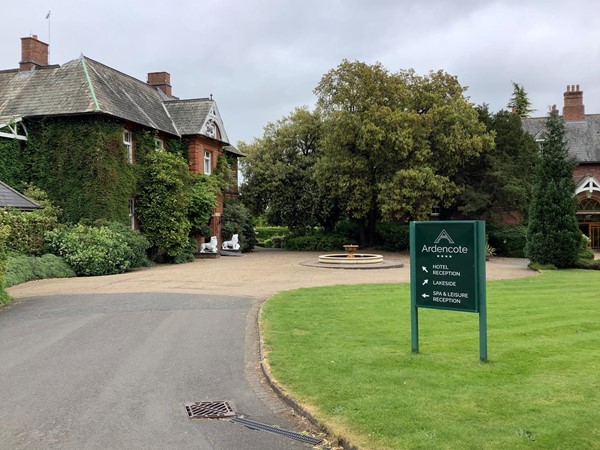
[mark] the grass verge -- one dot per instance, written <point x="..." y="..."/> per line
<point x="344" y="352"/>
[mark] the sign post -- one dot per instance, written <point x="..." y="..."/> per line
<point x="447" y="271"/>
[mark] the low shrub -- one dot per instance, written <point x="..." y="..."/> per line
<point x="392" y="236"/>
<point x="508" y="240"/>
<point x="588" y="264"/>
<point x="23" y="268"/>
<point x="91" y="250"/>
<point x="317" y="242"/>
<point x="538" y="267"/>
<point x="187" y="254"/>
<point x="137" y="243"/>
<point x="278" y="241"/>
<point x="585" y="252"/>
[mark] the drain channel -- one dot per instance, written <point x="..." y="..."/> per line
<point x="264" y="427"/>
<point x="209" y="410"/>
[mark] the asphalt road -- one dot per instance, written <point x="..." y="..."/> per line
<point x="113" y="371"/>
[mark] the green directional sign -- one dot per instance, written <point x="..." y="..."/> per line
<point x="446" y="258"/>
<point x="447" y="271"/>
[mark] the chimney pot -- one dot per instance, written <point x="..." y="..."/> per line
<point x="573" y="109"/>
<point x="160" y="80"/>
<point x="34" y="53"/>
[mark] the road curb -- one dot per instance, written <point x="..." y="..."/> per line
<point x="287" y="399"/>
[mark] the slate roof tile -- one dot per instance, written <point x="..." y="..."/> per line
<point x="86" y="86"/>
<point x="13" y="199"/>
<point x="582" y="137"/>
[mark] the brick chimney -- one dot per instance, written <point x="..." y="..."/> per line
<point x="573" y="109"/>
<point x="160" y="80"/>
<point x="34" y="53"/>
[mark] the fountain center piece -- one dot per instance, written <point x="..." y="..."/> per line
<point x="351" y="258"/>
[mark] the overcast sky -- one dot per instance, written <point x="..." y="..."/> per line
<point x="262" y="58"/>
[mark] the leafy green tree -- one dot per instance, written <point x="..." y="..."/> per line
<point x="164" y="196"/>
<point x="553" y="235"/>
<point x="278" y="173"/>
<point x="392" y="142"/>
<point x="519" y="102"/>
<point x="499" y="182"/>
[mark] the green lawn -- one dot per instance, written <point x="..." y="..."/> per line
<point x="345" y="353"/>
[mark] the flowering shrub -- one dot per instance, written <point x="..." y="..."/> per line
<point x="91" y="250"/>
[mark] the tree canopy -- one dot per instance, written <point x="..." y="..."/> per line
<point x="391" y="142"/>
<point x="279" y="173"/>
<point x="499" y="182"/>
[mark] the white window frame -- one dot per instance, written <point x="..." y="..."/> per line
<point x="159" y="144"/>
<point x="207" y="162"/>
<point x="128" y="141"/>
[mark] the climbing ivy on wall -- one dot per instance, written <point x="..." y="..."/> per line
<point x="11" y="163"/>
<point x="82" y="164"/>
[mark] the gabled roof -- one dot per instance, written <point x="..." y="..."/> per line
<point x="86" y="86"/>
<point x="9" y="198"/>
<point x="197" y="116"/>
<point x="582" y="137"/>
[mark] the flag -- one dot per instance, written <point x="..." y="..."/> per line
<point x="48" y="15"/>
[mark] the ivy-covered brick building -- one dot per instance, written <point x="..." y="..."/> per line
<point x="77" y="129"/>
<point x="582" y="135"/>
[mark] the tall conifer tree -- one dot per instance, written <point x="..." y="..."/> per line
<point x="519" y="102"/>
<point x="553" y="235"/>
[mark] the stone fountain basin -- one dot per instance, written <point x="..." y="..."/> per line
<point x="357" y="258"/>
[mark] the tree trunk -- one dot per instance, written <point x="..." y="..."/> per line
<point x="362" y="234"/>
<point x="371" y="227"/>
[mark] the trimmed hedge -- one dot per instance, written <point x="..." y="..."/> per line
<point x="317" y="242"/>
<point x="22" y="268"/>
<point x="265" y="234"/>
<point x="27" y="229"/>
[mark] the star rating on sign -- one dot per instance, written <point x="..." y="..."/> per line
<point x="444" y="256"/>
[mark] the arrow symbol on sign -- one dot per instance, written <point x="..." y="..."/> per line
<point x="425" y="296"/>
<point x="424" y="269"/>
<point x="425" y="282"/>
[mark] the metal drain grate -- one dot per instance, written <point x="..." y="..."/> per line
<point x="209" y="410"/>
<point x="264" y="427"/>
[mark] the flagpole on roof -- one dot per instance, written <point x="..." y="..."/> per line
<point x="49" y="47"/>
